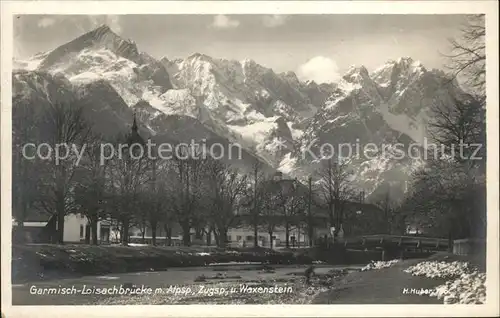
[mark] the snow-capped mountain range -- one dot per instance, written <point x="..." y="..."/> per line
<point x="274" y="116"/>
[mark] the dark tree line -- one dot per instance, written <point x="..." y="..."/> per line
<point x="205" y="195"/>
<point x="448" y="196"/>
<point x="202" y="194"/>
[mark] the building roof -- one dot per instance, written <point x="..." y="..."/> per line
<point x="285" y="186"/>
<point x="35" y="215"/>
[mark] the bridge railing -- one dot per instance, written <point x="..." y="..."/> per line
<point x="396" y="240"/>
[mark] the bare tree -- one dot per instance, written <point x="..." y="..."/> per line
<point x="168" y="216"/>
<point x="63" y="123"/>
<point x="185" y="189"/>
<point x="335" y="187"/>
<point x="468" y="54"/>
<point x="461" y="128"/>
<point x="309" y="216"/>
<point x="128" y="175"/>
<point x="227" y="190"/>
<point x="157" y="202"/>
<point x="387" y="206"/>
<point x="269" y="214"/>
<point x="448" y="197"/>
<point x="290" y="202"/>
<point x="144" y="205"/>
<point x="463" y="121"/>
<point x="90" y="190"/>
<point x="256" y="199"/>
<point x="24" y="179"/>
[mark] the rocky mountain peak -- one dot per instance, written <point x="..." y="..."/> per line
<point x="199" y="56"/>
<point x="248" y="63"/>
<point x="356" y="74"/>
<point x="100" y="38"/>
<point x="407" y="62"/>
<point x="404" y="68"/>
<point x="103" y="28"/>
<point x="291" y="76"/>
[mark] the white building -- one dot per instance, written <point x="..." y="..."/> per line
<point x="244" y="236"/>
<point x="36" y="228"/>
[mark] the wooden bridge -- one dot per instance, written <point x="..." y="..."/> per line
<point x="382" y="241"/>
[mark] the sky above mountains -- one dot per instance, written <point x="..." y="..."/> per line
<point x="317" y="47"/>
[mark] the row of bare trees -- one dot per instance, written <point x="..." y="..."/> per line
<point x="204" y="195"/>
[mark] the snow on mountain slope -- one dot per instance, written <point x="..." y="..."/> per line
<point x="274" y="116"/>
<point x="31" y="63"/>
<point x="409" y="91"/>
<point x="386" y="108"/>
<point x="102" y="55"/>
<point x="235" y="98"/>
<point x="255" y="132"/>
<point x="103" y="107"/>
<point x="176" y="101"/>
<point x="248" y="98"/>
<point x="402" y="91"/>
<point x="110" y="116"/>
<point x="233" y="89"/>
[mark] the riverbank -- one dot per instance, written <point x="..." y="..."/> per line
<point x="34" y="262"/>
<point x="46" y="261"/>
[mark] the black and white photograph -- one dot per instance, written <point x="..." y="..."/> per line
<point x="242" y="158"/>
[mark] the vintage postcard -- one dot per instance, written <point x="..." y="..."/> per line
<point x="249" y="158"/>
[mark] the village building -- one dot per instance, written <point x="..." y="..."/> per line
<point x="39" y="227"/>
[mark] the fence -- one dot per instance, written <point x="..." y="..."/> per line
<point x="469" y="246"/>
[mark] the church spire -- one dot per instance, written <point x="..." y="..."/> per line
<point x="134" y="124"/>
<point x="134" y="137"/>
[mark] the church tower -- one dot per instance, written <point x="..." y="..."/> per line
<point x="134" y="137"/>
<point x="135" y="141"/>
